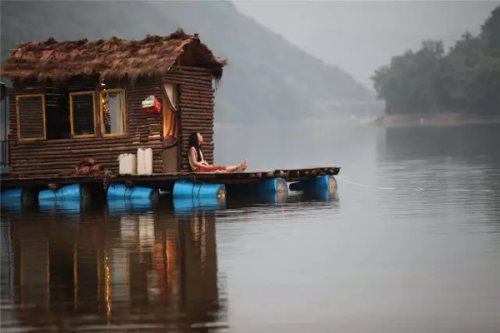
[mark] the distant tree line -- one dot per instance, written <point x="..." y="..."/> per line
<point x="465" y="80"/>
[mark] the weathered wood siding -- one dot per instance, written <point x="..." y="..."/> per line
<point x="196" y="109"/>
<point x="51" y="157"/>
<point x="31" y="116"/>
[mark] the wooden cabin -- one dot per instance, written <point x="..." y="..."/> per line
<point x="83" y="99"/>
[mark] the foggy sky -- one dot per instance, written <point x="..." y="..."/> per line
<point x="360" y="36"/>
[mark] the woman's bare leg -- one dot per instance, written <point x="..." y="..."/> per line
<point x="232" y="168"/>
<point x="237" y="168"/>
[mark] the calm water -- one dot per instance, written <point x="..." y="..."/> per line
<point x="411" y="243"/>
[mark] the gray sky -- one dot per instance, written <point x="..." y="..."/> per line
<point x="360" y="36"/>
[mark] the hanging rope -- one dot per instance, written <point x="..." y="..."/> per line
<point x="361" y="185"/>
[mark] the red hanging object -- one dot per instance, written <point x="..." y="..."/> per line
<point x="151" y="105"/>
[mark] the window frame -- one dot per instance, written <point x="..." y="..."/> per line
<point x="18" y="97"/>
<point x="79" y="93"/>
<point x="125" y="115"/>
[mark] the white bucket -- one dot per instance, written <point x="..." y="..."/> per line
<point x="141" y="167"/>
<point x="145" y="161"/>
<point x="127" y="164"/>
<point x="148" y="161"/>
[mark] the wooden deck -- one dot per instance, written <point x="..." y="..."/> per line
<point x="166" y="180"/>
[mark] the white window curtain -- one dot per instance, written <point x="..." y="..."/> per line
<point x="117" y="109"/>
<point x="171" y="94"/>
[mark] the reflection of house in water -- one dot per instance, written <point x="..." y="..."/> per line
<point x="135" y="269"/>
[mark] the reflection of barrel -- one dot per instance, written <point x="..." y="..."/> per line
<point x="69" y="192"/>
<point x="124" y="205"/>
<point x="12" y="206"/>
<point x="323" y="195"/>
<point x="187" y="189"/>
<point x="187" y="207"/>
<point x="188" y="204"/>
<point x="63" y="206"/>
<point x="275" y="197"/>
<point x="119" y="191"/>
<point x="71" y="209"/>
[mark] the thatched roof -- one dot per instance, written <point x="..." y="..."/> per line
<point x="111" y="58"/>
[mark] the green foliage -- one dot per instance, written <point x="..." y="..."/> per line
<point x="466" y="79"/>
<point x="266" y="77"/>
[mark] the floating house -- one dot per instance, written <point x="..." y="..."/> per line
<point x="80" y="99"/>
<point x="80" y="104"/>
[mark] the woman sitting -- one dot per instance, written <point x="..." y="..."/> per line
<point x="197" y="160"/>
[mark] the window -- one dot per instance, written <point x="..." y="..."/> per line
<point x="57" y="114"/>
<point x="31" y="117"/>
<point x="82" y="114"/>
<point x="113" y="116"/>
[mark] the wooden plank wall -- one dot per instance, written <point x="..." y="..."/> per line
<point x="197" y="109"/>
<point x="31" y="117"/>
<point x="52" y="157"/>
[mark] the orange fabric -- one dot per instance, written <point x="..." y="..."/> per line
<point x="210" y="168"/>
<point x="169" y="121"/>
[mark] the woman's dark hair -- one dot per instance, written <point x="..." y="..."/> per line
<point x="193" y="142"/>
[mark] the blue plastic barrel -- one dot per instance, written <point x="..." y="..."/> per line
<point x="323" y="195"/>
<point x="187" y="189"/>
<point x="317" y="184"/>
<point x="264" y="187"/>
<point x="120" y="191"/>
<point x="64" y="193"/>
<point x="11" y="199"/>
<point x="274" y="185"/>
<point x="336" y="183"/>
<point x="12" y="195"/>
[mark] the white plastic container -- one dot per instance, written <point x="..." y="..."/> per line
<point x="148" y="161"/>
<point x="145" y="161"/>
<point x="141" y="167"/>
<point x="128" y="164"/>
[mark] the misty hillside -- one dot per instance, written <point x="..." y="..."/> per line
<point x="266" y="77"/>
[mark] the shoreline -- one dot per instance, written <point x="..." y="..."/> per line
<point x="440" y="120"/>
<point x="383" y="121"/>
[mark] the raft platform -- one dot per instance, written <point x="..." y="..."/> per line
<point x="166" y="181"/>
<point x="190" y="186"/>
